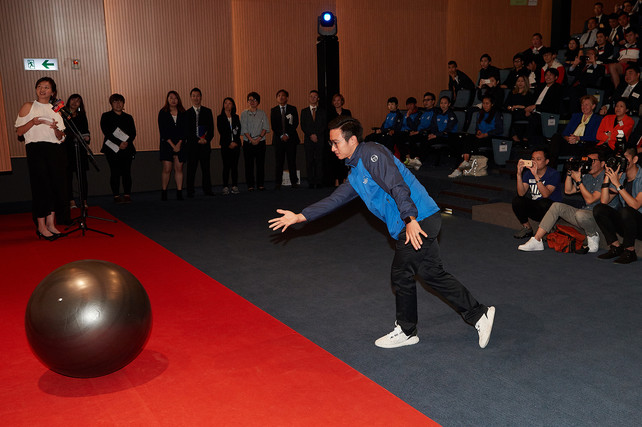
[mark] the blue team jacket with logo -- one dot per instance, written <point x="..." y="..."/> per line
<point x="387" y="187"/>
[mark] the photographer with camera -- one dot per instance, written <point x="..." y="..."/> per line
<point x="622" y="178"/>
<point x="537" y="190"/>
<point x="585" y="176"/>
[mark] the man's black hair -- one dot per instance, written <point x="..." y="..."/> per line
<point x="349" y="127"/>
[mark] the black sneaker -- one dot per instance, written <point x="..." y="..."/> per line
<point x="614" y="251"/>
<point x="627" y="257"/>
<point x="523" y="233"/>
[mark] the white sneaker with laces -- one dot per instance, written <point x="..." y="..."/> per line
<point x="593" y="243"/>
<point x="456" y="173"/>
<point x="416" y="163"/>
<point x="532" y="245"/>
<point x="235" y="190"/>
<point x="396" y="338"/>
<point x="226" y="191"/>
<point x="484" y="326"/>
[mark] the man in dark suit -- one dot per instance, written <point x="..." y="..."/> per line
<point x="630" y="89"/>
<point x="458" y="80"/>
<point x="284" y="120"/>
<point x="548" y="99"/>
<point x="313" y="125"/>
<point x="200" y="131"/>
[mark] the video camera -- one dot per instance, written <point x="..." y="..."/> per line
<point x="618" y="159"/>
<point x="583" y="165"/>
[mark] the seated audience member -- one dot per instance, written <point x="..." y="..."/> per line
<point x="634" y="17"/>
<point x="386" y="134"/>
<point x="623" y="26"/>
<point x="548" y="99"/>
<point x="588" y="38"/>
<point x="489" y="122"/>
<point x="487" y="70"/>
<point x="551" y="62"/>
<point x="627" y="56"/>
<point x="603" y="49"/>
<point x="408" y="125"/>
<point x="573" y="51"/>
<point x="615" y="32"/>
<point x="516" y="103"/>
<point x="630" y="90"/>
<point x="601" y="18"/>
<point x="517" y="70"/>
<point x="531" y="70"/>
<point x="579" y="134"/>
<point x="588" y="185"/>
<point x="587" y="75"/>
<point x="635" y="140"/>
<point x="612" y="124"/>
<point x="419" y="137"/>
<point x="534" y="51"/>
<point x="627" y="220"/>
<point x="444" y="123"/>
<point x="458" y="80"/>
<point x="538" y="187"/>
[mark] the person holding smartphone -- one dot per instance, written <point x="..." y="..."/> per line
<point x="538" y="187"/>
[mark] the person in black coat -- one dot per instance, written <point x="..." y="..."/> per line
<point x="228" y="124"/>
<point x="548" y="99"/>
<point x="458" y="80"/>
<point x="313" y="124"/>
<point x="199" y="123"/>
<point x="336" y="169"/>
<point x="284" y="119"/>
<point x="171" y="125"/>
<point x="118" y="146"/>
<point x="77" y="115"/>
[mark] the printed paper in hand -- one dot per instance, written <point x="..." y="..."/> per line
<point x="114" y="147"/>
<point x="118" y="133"/>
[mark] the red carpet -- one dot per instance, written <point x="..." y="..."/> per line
<point x="212" y="358"/>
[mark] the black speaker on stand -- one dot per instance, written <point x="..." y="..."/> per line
<point x="327" y="58"/>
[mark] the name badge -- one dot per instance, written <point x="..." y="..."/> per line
<point x="590" y="70"/>
<point x="635" y="95"/>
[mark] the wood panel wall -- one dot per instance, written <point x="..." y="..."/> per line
<point x="53" y="29"/>
<point x="5" y="154"/>
<point x="145" y="48"/>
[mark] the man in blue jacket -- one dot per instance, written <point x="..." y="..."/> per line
<point x="393" y="194"/>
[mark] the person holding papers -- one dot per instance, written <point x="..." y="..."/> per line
<point x="118" y="146"/>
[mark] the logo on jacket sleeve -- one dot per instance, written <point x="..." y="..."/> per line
<point x="374" y="158"/>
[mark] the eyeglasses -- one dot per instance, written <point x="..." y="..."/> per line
<point x="251" y="100"/>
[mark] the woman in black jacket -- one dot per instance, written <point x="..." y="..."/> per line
<point x="228" y="124"/>
<point x="118" y="146"/>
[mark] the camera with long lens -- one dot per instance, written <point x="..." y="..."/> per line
<point x="617" y="160"/>
<point x="583" y="165"/>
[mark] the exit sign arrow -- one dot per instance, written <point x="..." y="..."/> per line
<point x="48" y="64"/>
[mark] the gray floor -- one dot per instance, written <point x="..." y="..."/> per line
<point x="565" y="347"/>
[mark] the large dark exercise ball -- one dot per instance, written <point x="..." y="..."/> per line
<point x="88" y="318"/>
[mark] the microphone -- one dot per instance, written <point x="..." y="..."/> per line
<point x="56" y="104"/>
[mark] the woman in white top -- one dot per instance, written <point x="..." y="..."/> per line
<point x="42" y="129"/>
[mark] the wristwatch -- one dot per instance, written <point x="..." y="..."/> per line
<point x="620" y="188"/>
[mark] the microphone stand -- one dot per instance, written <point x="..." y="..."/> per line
<point x="81" y="220"/>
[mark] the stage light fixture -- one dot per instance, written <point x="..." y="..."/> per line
<point x="327" y="25"/>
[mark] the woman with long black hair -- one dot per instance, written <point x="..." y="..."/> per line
<point x="228" y="124"/>
<point x="78" y="116"/>
<point x="42" y="129"/>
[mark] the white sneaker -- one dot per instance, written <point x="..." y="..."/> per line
<point x="532" y="245"/>
<point x="235" y="190"/>
<point x="484" y="327"/>
<point x="416" y="163"/>
<point x="396" y="338"/>
<point x="226" y="191"/>
<point x="593" y="243"/>
<point x="456" y="173"/>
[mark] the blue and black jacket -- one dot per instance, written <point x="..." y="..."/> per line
<point x="444" y="123"/>
<point x="387" y="187"/>
<point x="392" y="122"/>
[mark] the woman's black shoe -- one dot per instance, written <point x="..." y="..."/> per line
<point x="627" y="257"/>
<point x="50" y="238"/>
